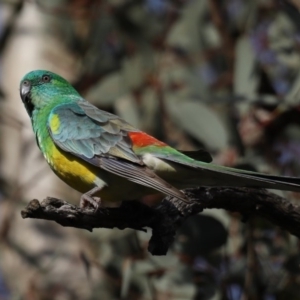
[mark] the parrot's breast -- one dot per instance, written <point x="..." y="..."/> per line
<point x="72" y="170"/>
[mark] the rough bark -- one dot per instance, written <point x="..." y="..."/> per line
<point x="165" y="218"/>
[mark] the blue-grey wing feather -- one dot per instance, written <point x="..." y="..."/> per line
<point x="86" y="136"/>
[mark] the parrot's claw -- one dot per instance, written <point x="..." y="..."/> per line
<point x="88" y="201"/>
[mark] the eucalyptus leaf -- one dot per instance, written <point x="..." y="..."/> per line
<point x="126" y="108"/>
<point x="245" y="79"/>
<point x="200" y="122"/>
<point x="107" y="91"/>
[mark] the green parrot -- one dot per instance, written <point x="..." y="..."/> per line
<point x="108" y="160"/>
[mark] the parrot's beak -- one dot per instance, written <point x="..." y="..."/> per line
<point x="25" y="92"/>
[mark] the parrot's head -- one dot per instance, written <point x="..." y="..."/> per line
<point x="40" y="88"/>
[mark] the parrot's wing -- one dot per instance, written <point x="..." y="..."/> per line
<point x="73" y="130"/>
<point x="101" y="139"/>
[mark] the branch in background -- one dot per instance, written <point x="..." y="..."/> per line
<point x="170" y="213"/>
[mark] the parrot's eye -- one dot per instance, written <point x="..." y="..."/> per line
<point x="46" y="78"/>
<point x="26" y="83"/>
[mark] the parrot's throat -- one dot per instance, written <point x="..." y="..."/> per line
<point x="28" y="104"/>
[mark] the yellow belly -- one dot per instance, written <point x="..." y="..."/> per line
<point x="72" y="170"/>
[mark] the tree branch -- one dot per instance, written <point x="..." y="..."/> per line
<point x="165" y="218"/>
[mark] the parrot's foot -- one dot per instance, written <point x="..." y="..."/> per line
<point x="88" y="201"/>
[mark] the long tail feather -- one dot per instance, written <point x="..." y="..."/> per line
<point x="237" y="177"/>
<point x="207" y="174"/>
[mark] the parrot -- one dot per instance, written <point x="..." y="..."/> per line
<point x="109" y="161"/>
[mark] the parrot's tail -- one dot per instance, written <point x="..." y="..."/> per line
<point x="278" y="182"/>
<point x="191" y="172"/>
<point x="225" y="176"/>
<point x="207" y="174"/>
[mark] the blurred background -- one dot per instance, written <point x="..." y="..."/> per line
<point x="223" y="75"/>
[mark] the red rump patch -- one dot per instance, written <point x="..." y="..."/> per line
<point x="142" y="139"/>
